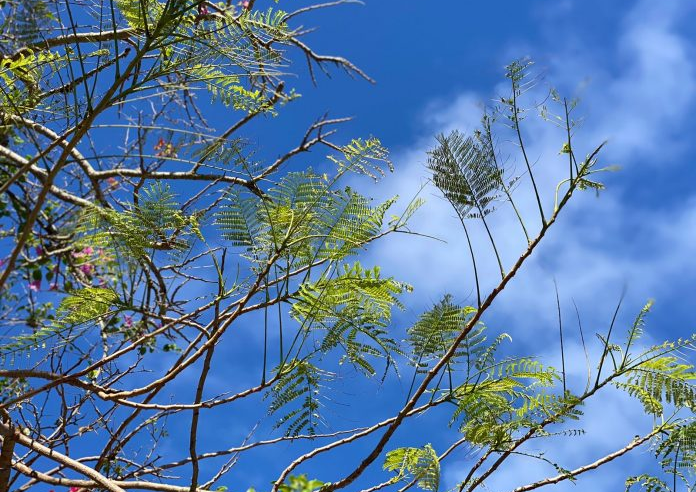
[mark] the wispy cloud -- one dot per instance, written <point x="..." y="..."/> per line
<point x="643" y="105"/>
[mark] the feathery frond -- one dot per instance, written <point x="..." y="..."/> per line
<point x="354" y="308"/>
<point x="659" y="381"/>
<point x="434" y="332"/>
<point x="88" y="304"/>
<point x="366" y="157"/>
<point x="323" y="223"/>
<point x="420" y="464"/>
<point x="466" y="173"/>
<point x="155" y="223"/>
<point x="297" y="393"/>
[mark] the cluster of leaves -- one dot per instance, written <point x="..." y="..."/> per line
<point x="156" y="222"/>
<point x="467" y="173"/>
<point x="417" y="464"/>
<point x="354" y="308"/>
<point x="304" y="217"/>
<point x="299" y="383"/>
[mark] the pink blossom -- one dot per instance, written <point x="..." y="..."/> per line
<point x="39" y="251"/>
<point x="54" y="286"/>
<point x="73" y="489"/>
<point x="87" y="269"/>
<point x="88" y="250"/>
<point x="35" y="285"/>
<point x="128" y="320"/>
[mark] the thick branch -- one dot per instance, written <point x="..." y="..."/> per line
<point x="92" y="484"/>
<point x="8" y="431"/>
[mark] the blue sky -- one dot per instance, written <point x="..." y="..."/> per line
<point x="631" y="64"/>
<point x="436" y="64"/>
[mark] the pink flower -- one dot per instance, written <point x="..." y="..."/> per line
<point x="87" y="269"/>
<point x="128" y="320"/>
<point x="39" y="251"/>
<point x="73" y="489"/>
<point x="54" y="286"/>
<point x="35" y="285"/>
<point x="88" y="250"/>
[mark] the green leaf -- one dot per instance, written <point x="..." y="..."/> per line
<point x="297" y="393"/>
<point x="86" y="304"/>
<point x="355" y="309"/>
<point x="421" y="464"/>
<point x="466" y="172"/>
<point x="299" y="483"/>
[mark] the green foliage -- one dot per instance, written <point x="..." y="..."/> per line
<point x="223" y="87"/>
<point x="648" y="483"/>
<point x="420" y="464"/>
<point x="675" y="450"/>
<point x="12" y="387"/>
<point x="78" y="307"/>
<point x="140" y="13"/>
<point x="435" y="331"/>
<point x="300" y="483"/>
<point x="504" y="399"/>
<point x="656" y="377"/>
<point x="86" y="304"/>
<point x="662" y="380"/>
<point x="635" y="332"/>
<point x="25" y="21"/>
<point x="354" y="308"/>
<point x="366" y="157"/>
<point x="465" y="171"/>
<point x="20" y="76"/>
<point x="156" y="222"/>
<point x="303" y="217"/>
<point x="296" y="392"/>
<point x="238" y="219"/>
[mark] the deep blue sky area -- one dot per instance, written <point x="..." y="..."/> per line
<point x="436" y="64"/>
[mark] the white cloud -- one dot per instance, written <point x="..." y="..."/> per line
<point x="650" y="97"/>
<point x="598" y="246"/>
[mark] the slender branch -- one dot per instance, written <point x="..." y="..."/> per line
<point x="372" y="456"/>
<point x="85" y="37"/>
<point x="591" y="466"/>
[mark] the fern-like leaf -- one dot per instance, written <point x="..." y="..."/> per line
<point x="466" y="173"/>
<point x="296" y="393"/>
<point x="366" y="157"/>
<point x="86" y="304"/>
<point x="421" y="464"/>
<point x="354" y="308"/>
